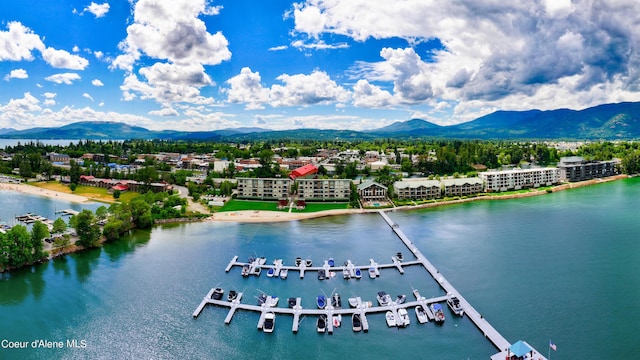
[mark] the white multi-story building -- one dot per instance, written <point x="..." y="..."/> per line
<point x="419" y="189"/>
<point x="324" y="189"/>
<point x="263" y="188"/>
<point x="517" y="179"/>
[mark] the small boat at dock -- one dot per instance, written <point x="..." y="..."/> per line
<point x="337" y="320"/>
<point x="356" y="323"/>
<point x="416" y="293"/>
<point x="437" y="312"/>
<point x="331" y="262"/>
<point x="321" y="301"/>
<point x="291" y="302"/>
<point x="308" y="262"/>
<point x="399" y="256"/>
<point x="336" y="302"/>
<point x="270" y="272"/>
<point x="245" y="270"/>
<point x="262" y="260"/>
<point x="372" y="273"/>
<point x="384" y="299"/>
<point x="262" y="299"/>
<point x="298" y="261"/>
<point x="269" y="322"/>
<point x="400" y="299"/>
<point x="272" y="301"/>
<point x="346" y="274"/>
<point x="454" y="304"/>
<point x="284" y="273"/>
<point x="404" y="320"/>
<point x="321" y="324"/>
<point x="358" y="273"/>
<point x="390" y="318"/>
<point x="321" y="275"/>
<point x="217" y="293"/>
<point x="353" y="302"/>
<point x="232" y="295"/>
<point x="421" y="314"/>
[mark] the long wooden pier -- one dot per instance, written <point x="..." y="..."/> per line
<point x="488" y="331"/>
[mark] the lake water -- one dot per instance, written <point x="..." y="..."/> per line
<point x="561" y="267"/>
<point x="13" y="142"/>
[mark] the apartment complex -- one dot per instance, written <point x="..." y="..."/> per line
<point x="263" y="188"/>
<point x="462" y="187"/>
<point x="576" y="168"/>
<point x="517" y="179"/>
<point x="419" y="189"/>
<point x="372" y="191"/>
<point x="324" y="189"/>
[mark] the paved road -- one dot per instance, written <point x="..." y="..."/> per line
<point x="191" y="205"/>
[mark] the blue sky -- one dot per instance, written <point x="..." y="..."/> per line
<point x="339" y="64"/>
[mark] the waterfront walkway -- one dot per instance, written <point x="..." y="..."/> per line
<point x="488" y="331"/>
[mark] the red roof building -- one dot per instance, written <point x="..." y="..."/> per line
<point x="303" y="171"/>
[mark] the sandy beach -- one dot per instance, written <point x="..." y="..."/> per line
<point x="28" y="189"/>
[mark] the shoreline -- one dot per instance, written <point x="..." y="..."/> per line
<point x="34" y="190"/>
<point x="264" y="216"/>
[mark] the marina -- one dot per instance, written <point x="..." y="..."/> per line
<point x="396" y="314"/>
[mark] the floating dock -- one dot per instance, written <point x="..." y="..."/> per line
<point x="363" y="308"/>
<point x="488" y="331"/>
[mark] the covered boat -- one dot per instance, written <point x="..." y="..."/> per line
<point x="356" y="323"/>
<point x="217" y="293"/>
<point x="437" y="312"/>
<point x="384" y="299"/>
<point x="336" y="302"/>
<point x="321" y="301"/>
<point x="455" y="306"/>
<point x="358" y="273"/>
<point x="403" y="320"/>
<point x="321" y="324"/>
<point x="232" y="295"/>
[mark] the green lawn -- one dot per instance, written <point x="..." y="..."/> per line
<point x="315" y="207"/>
<point x="239" y="205"/>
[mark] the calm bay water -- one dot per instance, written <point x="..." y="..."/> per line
<point x="562" y="267"/>
<point x="13" y="142"/>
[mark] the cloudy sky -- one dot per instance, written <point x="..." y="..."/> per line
<point x="340" y="64"/>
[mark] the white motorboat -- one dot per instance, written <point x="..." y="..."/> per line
<point x="353" y="302"/>
<point x="270" y="272"/>
<point x="400" y="299"/>
<point x="337" y="320"/>
<point x="384" y="299"/>
<point x="372" y="273"/>
<point x="284" y="273"/>
<point x="269" y="322"/>
<point x="455" y="306"/>
<point x="416" y="293"/>
<point x="404" y="320"/>
<point x="421" y="314"/>
<point x="390" y="318"/>
<point x="346" y="274"/>
<point x="232" y="295"/>
<point x="272" y="301"/>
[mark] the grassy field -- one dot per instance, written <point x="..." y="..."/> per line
<point x="315" y="207"/>
<point x="239" y="205"/>
<point x="94" y="193"/>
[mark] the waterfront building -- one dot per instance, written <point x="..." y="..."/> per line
<point x="576" y="168"/>
<point x="263" y="188"/>
<point x="418" y="189"/>
<point x="324" y="189"/>
<point x="124" y="185"/>
<point x="462" y="187"/>
<point x="372" y="191"/>
<point x="516" y="179"/>
<point x="303" y="171"/>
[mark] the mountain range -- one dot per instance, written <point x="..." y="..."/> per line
<point x="619" y="121"/>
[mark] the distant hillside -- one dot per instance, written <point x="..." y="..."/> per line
<point x="608" y="122"/>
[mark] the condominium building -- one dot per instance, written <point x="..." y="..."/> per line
<point x="263" y="188"/>
<point x="419" y="189"/>
<point x="372" y="191"/>
<point x="462" y="187"/>
<point x="576" y="168"/>
<point x="324" y="189"/>
<point x="517" y="179"/>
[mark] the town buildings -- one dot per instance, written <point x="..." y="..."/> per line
<point x="418" y="189"/>
<point x="324" y="189"/>
<point x="264" y="188"/>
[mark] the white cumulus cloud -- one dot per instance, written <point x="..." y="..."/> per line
<point x="63" y="78"/>
<point x="96" y="82"/>
<point x="64" y="60"/>
<point x="17" y="74"/>
<point x="99" y="10"/>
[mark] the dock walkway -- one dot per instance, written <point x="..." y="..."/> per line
<point x="488" y="331"/>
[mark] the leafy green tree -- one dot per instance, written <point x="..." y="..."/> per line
<point x="116" y="194"/>
<point x="88" y="232"/>
<point x="59" y="226"/>
<point x="20" y="248"/>
<point x="112" y="229"/>
<point x="102" y="212"/>
<point x="39" y="232"/>
<point x="74" y="172"/>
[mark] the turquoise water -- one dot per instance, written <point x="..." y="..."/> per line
<point x="561" y="266"/>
